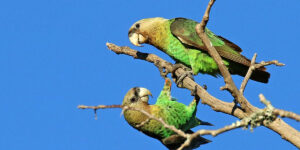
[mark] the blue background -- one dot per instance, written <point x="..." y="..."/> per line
<point x="53" y="57"/>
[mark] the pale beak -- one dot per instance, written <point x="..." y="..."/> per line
<point x="134" y="39"/>
<point x="144" y="94"/>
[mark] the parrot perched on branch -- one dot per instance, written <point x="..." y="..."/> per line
<point x="178" y="38"/>
<point x="167" y="108"/>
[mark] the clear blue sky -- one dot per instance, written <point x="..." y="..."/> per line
<point x="53" y="57"/>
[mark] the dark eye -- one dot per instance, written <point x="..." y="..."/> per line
<point x="137" y="25"/>
<point x="132" y="99"/>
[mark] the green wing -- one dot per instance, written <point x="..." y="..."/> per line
<point x="184" y="30"/>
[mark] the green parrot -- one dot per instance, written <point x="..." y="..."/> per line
<point x="178" y="38"/>
<point x="172" y="112"/>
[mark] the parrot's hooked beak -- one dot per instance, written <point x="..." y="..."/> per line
<point x="144" y="94"/>
<point x="136" y="38"/>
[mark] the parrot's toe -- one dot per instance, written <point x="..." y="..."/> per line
<point x="179" y="80"/>
<point x="188" y="73"/>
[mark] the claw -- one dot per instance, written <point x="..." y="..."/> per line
<point x="194" y="91"/>
<point x="188" y="73"/>
<point x="177" y="66"/>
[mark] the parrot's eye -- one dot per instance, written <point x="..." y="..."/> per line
<point x="137" y="25"/>
<point x="132" y="100"/>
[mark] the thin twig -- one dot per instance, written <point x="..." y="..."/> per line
<point x="273" y="62"/>
<point x="95" y="108"/>
<point x="249" y="73"/>
<point x="288" y="114"/>
<point x="99" y="106"/>
<point x="254" y="66"/>
<point x="233" y="126"/>
<point x="143" y="123"/>
<point x="124" y="108"/>
<point x="279" y="112"/>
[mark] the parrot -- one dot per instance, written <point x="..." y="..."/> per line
<point x="168" y="109"/>
<point x="178" y="38"/>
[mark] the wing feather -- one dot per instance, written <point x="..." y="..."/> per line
<point x="184" y="30"/>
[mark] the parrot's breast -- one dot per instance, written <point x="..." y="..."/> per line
<point x="162" y="38"/>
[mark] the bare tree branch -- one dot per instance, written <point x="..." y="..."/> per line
<point x="248" y="75"/>
<point x="95" y="108"/>
<point x="143" y="123"/>
<point x="279" y="112"/>
<point x="229" y="84"/>
<point x="273" y="62"/>
<point x="256" y="66"/>
<point x="99" y="107"/>
<point x="288" y="114"/>
<point x="124" y="108"/>
<point x="233" y="126"/>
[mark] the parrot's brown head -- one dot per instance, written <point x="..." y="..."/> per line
<point x="141" y="31"/>
<point x="136" y="96"/>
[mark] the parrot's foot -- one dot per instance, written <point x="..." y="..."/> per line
<point x="194" y="91"/>
<point x="188" y="73"/>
